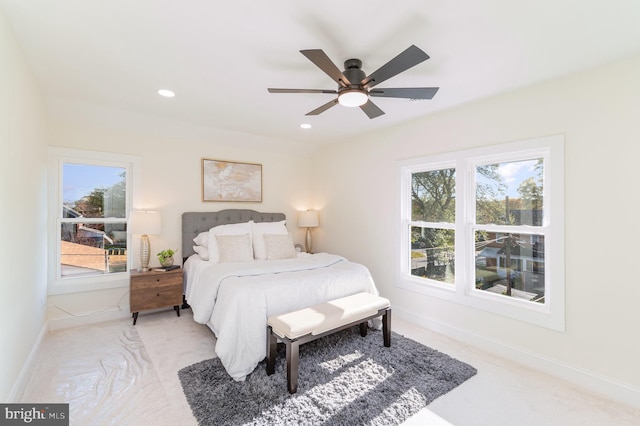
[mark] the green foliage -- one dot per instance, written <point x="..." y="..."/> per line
<point x="91" y="205"/>
<point x="164" y="254"/>
<point x="433" y="195"/>
<point x="429" y="237"/>
<point x="490" y="195"/>
<point x="104" y="201"/>
<point x="531" y="193"/>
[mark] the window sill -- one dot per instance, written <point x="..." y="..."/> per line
<point x="531" y="313"/>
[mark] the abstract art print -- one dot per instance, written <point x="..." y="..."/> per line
<point x="231" y="181"/>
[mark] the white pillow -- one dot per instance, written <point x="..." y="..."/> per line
<point x="231" y="229"/>
<point x="202" y="251"/>
<point x="279" y="246"/>
<point x="261" y="228"/>
<point x="202" y="239"/>
<point x="234" y="248"/>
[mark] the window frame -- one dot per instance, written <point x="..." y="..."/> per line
<point x="58" y="156"/>
<point x="551" y="314"/>
<point x="405" y="256"/>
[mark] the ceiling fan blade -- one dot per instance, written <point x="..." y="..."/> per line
<point x="301" y="91"/>
<point x="322" y="61"/>
<point x="410" y="57"/>
<point x="405" y="92"/>
<point x="323" y="108"/>
<point x="371" y="109"/>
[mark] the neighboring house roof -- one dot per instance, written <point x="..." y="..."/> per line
<point x="69" y="212"/>
<point x="490" y="252"/>
<point x="79" y="259"/>
<point x="82" y="256"/>
<point x="520" y="294"/>
<point x="97" y="233"/>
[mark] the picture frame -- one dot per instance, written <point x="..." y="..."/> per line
<point x="231" y="181"/>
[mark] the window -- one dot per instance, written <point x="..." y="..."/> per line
<point x="484" y="228"/>
<point x="432" y="224"/>
<point x="90" y="196"/>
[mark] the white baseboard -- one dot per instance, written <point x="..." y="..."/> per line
<point x="593" y="382"/>
<point x="25" y="373"/>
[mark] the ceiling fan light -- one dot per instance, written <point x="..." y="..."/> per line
<point x="353" y="98"/>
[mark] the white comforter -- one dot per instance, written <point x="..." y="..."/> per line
<point x="235" y="299"/>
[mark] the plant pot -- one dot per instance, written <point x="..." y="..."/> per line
<point x="167" y="261"/>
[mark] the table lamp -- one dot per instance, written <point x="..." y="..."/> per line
<point x="308" y="219"/>
<point x="144" y="222"/>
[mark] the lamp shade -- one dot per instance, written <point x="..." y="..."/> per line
<point x="308" y="219"/>
<point x="145" y="222"/>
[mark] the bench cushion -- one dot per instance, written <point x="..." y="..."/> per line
<point x="327" y="316"/>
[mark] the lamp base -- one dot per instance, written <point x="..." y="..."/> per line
<point x="308" y="242"/>
<point x="145" y="251"/>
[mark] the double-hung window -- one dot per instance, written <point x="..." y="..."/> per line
<point x="484" y="228"/>
<point x="90" y="196"/>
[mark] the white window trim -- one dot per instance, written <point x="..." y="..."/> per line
<point x="551" y="314"/>
<point x="58" y="156"/>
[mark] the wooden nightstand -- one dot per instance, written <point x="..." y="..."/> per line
<point x="155" y="289"/>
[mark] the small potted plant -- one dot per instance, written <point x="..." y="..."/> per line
<point x="166" y="257"/>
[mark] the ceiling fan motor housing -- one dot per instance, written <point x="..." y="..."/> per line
<point x="353" y="72"/>
<point x="353" y="94"/>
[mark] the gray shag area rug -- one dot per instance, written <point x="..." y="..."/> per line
<point x="344" y="379"/>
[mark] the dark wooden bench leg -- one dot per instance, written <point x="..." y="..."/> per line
<point x="363" y="329"/>
<point x="292" y="365"/>
<point x="293" y="346"/>
<point x="272" y="344"/>
<point x="386" y="327"/>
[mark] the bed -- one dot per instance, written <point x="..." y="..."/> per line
<point x="233" y="292"/>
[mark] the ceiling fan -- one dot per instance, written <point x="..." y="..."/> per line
<point x="355" y="87"/>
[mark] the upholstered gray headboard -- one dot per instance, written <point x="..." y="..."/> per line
<point x="194" y="223"/>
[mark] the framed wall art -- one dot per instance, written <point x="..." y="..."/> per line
<point x="231" y="181"/>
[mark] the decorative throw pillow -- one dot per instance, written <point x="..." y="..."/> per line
<point x="259" y="229"/>
<point x="234" y="248"/>
<point x="279" y="246"/>
<point x="202" y="239"/>
<point x="202" y="251"/>
<point x="230" y="229"/>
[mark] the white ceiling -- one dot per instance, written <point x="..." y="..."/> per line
<point x="220" y="57"/>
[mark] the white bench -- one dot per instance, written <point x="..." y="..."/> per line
<point x="308" y="324"/>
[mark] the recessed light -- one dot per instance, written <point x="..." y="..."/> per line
<point x="305" y="125"/>
<point x="166" y="93"/>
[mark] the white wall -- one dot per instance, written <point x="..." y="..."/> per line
<point x="599" y="113"/>
<point x="171" y="182"/>
<point x="22" y="214"/>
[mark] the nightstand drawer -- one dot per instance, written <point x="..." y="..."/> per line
<point x="160" y="279"/>
<point x="151" y="298"/>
